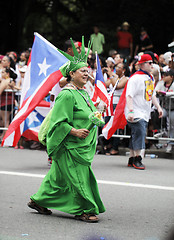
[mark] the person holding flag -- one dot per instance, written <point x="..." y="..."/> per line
<point x="139" y="97"/>
<point x="134" y="108"/>
<point x="116" y="83"/>
<point x="70" y="185"/>
<point x="100" y="91"/>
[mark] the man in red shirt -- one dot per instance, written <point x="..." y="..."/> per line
<point x="125" y="40"/>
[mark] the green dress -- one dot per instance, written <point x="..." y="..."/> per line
<point x="70" y="185"/>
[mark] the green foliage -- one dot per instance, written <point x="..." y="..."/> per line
<point x="58" y="20"/>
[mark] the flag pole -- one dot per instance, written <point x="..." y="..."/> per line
<point x="96" y="57"/>
<point x="114" y="87"/>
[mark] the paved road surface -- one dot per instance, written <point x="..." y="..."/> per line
<point x="139" y="204"/>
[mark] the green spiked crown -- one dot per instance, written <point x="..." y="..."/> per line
<point x="76" y="62"/>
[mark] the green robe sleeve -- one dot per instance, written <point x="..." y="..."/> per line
<point x="61" y="122"/>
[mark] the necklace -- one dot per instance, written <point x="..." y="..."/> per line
<point x="75" y="85"/>
<point x="85" y="98"/>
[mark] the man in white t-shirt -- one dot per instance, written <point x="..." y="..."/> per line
<point x="139" y="97"/>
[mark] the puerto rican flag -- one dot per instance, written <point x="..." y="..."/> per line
<point x="118" y="121"/>
<point x="41" y="76"/>
<point x="34" y="120"/>
<point x="109" y="110"/>
<point x="100" y="91"/>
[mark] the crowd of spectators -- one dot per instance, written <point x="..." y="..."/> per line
<point x="12" y="70"/>
<point x="163" y="73"/>
<point x="121" y="62"/>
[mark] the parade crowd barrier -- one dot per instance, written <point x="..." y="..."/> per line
<point x="9" y="104"/>
<point x="163" y="133"/>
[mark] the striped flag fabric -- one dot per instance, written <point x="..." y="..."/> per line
<point x="100" y="87"/>
<point x="118" y="121"/>
<point x="109" y="110"/>
<point x="34" y="120"/>
<point x="41" y="76"/>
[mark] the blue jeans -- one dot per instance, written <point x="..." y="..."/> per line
<point x="138" y="134"/>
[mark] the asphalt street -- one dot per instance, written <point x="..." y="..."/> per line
<point x="139" y="204"/>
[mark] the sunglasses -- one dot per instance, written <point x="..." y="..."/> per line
<point x="149" y="63"/>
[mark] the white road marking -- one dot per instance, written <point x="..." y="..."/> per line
<point x="23" y="174"/>
<point x="125" y="184"/>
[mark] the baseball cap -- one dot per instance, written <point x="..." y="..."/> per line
<point x="167" y="57"/>
<point x="110" y="59"/>
<point x="125" y="24"/>
<point x="156" y="56"/>
<point x="144" y="58"/>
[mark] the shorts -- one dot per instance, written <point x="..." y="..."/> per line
<point x="138" y="134"/>
<point x="7" y="108"/>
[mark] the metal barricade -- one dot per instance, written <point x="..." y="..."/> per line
<point x="9" y="102"/>
<point x="166" y="138"/>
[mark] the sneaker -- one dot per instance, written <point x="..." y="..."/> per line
<point x="130" y="162"/>
<point x="137" y="163"/>
<point x="160" y="134"/>
<point x="158" y="145"/>
<point x="169" y="148"/>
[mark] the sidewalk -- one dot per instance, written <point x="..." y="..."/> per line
<point x="160" y="153"/>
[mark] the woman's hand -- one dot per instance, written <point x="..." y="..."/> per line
<point x="80" y="133"/>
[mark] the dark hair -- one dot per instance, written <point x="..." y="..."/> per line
<point x="121" y="56"/>
<point x="91" y="61"/>
<point x="169" y="73"/>
<point x="12" y="63"/>
<point x="151" y="54"/>
<point x="127" y="70"/>
<point x="143" y="29"/>
<point x="133" y="66"/>
<point x="68" y="78"/>
<point x="68" y="44"/>
<point x="12" y="74"/>
<point x="14" y="54"/>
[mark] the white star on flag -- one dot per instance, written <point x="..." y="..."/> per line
<point x="43" y="67"/>
<point x="32" y="118"/>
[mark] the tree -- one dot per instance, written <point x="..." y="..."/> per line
<point x="58" y="20"/>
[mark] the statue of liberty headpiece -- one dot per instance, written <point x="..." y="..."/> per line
<point x="78" y="61"/>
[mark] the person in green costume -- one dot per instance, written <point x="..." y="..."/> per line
<point x="70" y="185"/>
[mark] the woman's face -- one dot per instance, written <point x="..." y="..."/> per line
<point x="119" y="69"/>
<point x="80" y="76"/>
<point x="5" y="62"/>
<point x="109" y="64"/>
<point x="4" y="74"/>
<point x="23" y="57"/>
<point x="167" y="78"/>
